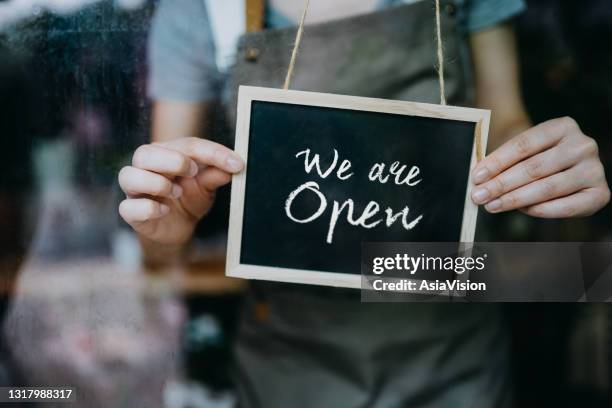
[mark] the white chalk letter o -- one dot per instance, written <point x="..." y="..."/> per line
<point x="314" y="187"/>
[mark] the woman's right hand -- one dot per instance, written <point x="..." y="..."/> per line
<point x="171" y="185"/>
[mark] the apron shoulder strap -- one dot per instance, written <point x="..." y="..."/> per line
<point x="254" y="15"/>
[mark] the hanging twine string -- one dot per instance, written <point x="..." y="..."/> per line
<point x="298" y="39"/>
<point x="440" y="51"/>
<point x="440" y="55"/>
<point x="439" y="67"/>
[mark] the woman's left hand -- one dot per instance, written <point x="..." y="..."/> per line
<point x="552" y="170"/>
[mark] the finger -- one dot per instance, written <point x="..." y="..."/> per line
<point x="158" y="159"/>
<point x="135" y="182"/>
<point x="207" y="153"/>
<point x="555" y="186"/>
<point x="580" y="204"/>
<point x="526" y="144"/>
<point x="534" y="168"/>
<point x="135" y="210"/>
<point x="212" y="178"/>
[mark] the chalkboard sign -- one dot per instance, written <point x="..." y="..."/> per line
<point x="325" y="173"/>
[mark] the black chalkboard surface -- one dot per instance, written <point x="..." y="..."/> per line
<point x="327" y="172"/>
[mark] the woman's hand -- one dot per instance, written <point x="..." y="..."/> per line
<point x="550" y="171"/>
<point x="171" y="185"/>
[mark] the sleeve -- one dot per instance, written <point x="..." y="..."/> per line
<point x="181" y="53"/>
<point x="482" y="14"/>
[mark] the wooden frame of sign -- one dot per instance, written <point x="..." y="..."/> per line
<point x="248" y="94"/>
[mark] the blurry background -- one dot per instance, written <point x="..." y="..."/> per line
<point x="73" y="107"/>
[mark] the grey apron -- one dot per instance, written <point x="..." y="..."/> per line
<point x="303" y="346"/>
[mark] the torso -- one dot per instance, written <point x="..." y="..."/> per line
<point x="320" y="11"/>
<point x="282" y="13"/>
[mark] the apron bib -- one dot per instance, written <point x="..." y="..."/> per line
<point x="304" y="346"/>
<point x="388" y="54"/>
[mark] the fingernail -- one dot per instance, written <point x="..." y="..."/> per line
<point x="234" y="164"/>
<point x="480" y="195"/>
<point x="481" y="175"/>
<point x="494" y="206"/>
<point x="193" y="169"/>
<point x="164" y="209"/>
<point x="177" y="191"/>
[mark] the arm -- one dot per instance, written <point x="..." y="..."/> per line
<point x="496" y="76"/>
<point x="551" y="170"/>
<point x="171" y="183"/>
<point x="174" y="119"/>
